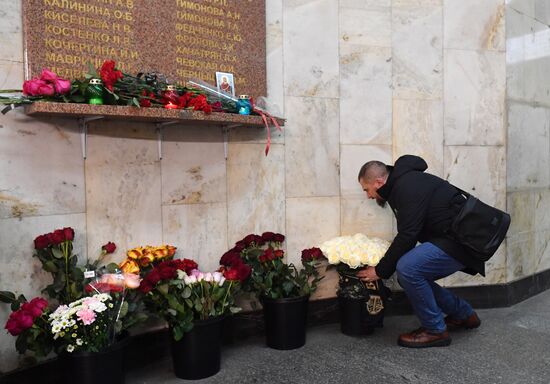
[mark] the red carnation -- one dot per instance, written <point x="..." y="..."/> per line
<point x="41" y="242"/>
<point x="110" y="247"/>
<point x="68" y="232"/>
<point x="109" y="74"/>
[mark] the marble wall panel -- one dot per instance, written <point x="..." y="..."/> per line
<point x="361" y="215"/>
<point x="255" y="190"/>
<point x="311" y="147"/>
<point x="528" y="146"/>
<point x="309" y="222"/>
<point x="42" y="166"/>
<point x="542" y="209"/>
<point x="521" y="207"/>
<point x="366" y="26"/>
<point x="22" y="273"/>
<point x="527" y="58"/>
<point x="188" y="176"/>
<point x="474" y="25"/>
<point x="274" y="57"/>
<point x="542" y="250"/>
<point x="352" y="159"/>
<point x="475" y="84"/>
<point x="495" y="273"/>
<point x="310" y="38"/>
<point x="417" y="44"/>
<point x="526" y="7"/>
<point x="123" y="187"/>
<point x="365" y="4"/>
<point x="11" y="32"/>
<point x="365" y="95"/>
<point x="199" y="231"/>
<point x="418" y="130"/>
<point x="521" y="258"/>
<point x="478" y="170"/>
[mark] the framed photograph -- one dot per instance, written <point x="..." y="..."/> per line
<point x="224" y="81"/>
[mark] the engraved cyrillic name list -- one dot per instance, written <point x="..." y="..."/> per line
<point x="77" y="33"/>
<point x="209" y="38"/>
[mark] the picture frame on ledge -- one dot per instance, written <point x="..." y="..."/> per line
<point x="225" y="82"/>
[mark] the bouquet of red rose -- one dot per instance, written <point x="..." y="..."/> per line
<point x="178" y="292"/>
<point x="271" y="276"/>
<point x="29" y="323"/>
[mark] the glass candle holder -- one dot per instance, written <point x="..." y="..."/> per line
<point x="94" y="92"/>
<point x="170" y="95"/>
<point x="243" y="105"/>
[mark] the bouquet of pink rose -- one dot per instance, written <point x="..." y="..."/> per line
<point x="29" y="323"/>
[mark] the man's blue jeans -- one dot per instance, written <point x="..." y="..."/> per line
<point x="417" y="271"/>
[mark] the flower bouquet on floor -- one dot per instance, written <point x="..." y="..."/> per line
<point x="193" y="303"/>
<point x="361" y="304"/>
<point x="282" y="288"/>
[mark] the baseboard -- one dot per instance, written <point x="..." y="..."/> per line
<point x="324" y="311"/>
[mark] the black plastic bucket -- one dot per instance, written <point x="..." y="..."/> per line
<point x="285" y="322"/>
<point x="197" y="355"/>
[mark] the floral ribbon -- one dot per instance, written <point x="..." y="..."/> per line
<point x="265" y="116"/>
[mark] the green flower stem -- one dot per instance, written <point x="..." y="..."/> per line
<point x="226" y="294"/>
<point x="65" y="248"/>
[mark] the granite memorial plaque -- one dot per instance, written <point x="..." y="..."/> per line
<point x="183" y="39"/>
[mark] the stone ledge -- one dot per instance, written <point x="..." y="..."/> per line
<point x="154" y="115"/>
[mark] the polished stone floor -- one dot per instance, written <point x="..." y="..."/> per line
<point x="512" y="346"/>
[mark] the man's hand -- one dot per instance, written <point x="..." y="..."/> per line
<point x="368" y="274"/>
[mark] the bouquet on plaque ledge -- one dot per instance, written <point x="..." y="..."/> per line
<point x="108" y="85"/>
<point x="194" y="304"/>
<point x="361" y="304"/>
<point x="282" y="288"/>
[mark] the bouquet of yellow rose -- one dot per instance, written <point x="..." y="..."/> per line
<point x="140" y="260"/>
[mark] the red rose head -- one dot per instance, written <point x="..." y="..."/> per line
<point x="268" y="236"/>
<point x="229" y="258"/>
<point x="244" y="272"/>
<point x="13" y="327"/>
<point x="268" y="254"/>
<point x="41" y="242"/>
<point x="110" y="247"/>
<point x="279" y="253"/>
<point x="232" y="274"/>
<point x="145" y="286"/>
<point x="68" y="232"/>
<point x="56" y="237"/>
<point x="278" y="238"/>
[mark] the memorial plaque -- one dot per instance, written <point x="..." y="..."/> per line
<point x="183" y="39"/>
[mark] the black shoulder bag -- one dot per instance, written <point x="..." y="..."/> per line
<point x="479" y="227"/>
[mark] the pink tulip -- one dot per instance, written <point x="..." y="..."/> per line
<point x="62" y="86"/>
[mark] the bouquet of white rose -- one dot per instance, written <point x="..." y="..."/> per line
<point x="355" y="251"/>
<point x="361" y="304"/>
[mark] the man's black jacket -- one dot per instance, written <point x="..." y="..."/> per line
<point x="424" y="206"/>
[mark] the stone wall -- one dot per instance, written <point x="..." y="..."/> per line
<point x="528" y="148"/>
